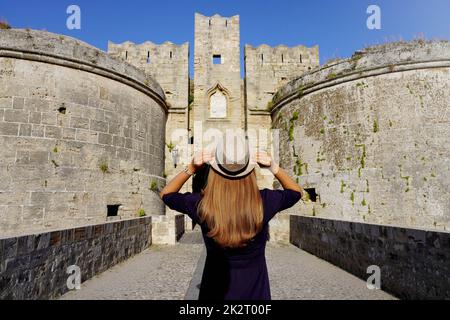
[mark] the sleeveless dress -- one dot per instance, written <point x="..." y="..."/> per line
<point x="238" y="273"/>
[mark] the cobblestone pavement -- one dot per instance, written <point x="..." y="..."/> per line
<point x="160" y="272"/>
<point x="171" y="272"/>
<point x="296" y="274"/>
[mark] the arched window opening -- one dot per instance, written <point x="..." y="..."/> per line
<point x="218" y="104"/>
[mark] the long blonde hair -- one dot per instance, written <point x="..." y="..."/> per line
<point x="232" y="209"/>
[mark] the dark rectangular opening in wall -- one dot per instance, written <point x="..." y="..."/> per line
<point x="112" y="210"/>
<point x="217" y="59"/>
<point x="301" y="60"/>
<point x="262" y="57"/>
<point x="126" y="55"/>
<point x="170" y="54"/>
<point x="148" y="56"/>
<point x="226" y="23"/>
<point x="312" y="194"/>
<point x="282" y="58"/>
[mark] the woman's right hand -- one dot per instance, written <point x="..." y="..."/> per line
<point x="200" y="158"/>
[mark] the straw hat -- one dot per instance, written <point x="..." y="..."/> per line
<point x="232" y="158"/>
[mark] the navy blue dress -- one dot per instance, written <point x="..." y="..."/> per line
<point x="239" y="273"/>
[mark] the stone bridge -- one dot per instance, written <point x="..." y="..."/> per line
<point x="174" y="272"/>
<point x="324" y="259"/>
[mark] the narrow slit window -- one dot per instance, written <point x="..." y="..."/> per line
<point x="217" y="59"/>
<point x="226" y="23"/>
<point x="112" y="210"/>
<point x="148" y="56"/>
<point x="282" y="58"/>
<point x="210" y="22"/>
<point x="262" y="57"/>
<point x="301" y="59"/>
<point x="126" y="55"/>
<point x="171" y="54"/>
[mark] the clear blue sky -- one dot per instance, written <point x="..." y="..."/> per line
<point x="337" y="26"/>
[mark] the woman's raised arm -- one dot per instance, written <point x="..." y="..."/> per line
<point x="266" y="161"/>
<point x="179" y="180"/>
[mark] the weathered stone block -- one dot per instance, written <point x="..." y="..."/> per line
<point x="68" y="134"/>
<point x="6" y="103"/>
<point x="49" y="118"/>
<point x="18" y="103"/>
<point x="25" y="130"/>
<point x="37" y="131"/>
<point x="11" y="129"/>
<point x="38" y="105"/>
<point x="101" y="126"/>
<point x="35" y="117"/>
<point x="87" y="136"/>
<point x="81" y="123"/>
<point x="104" y="138"/>
<point x="16" y="116"/>
<point x="53" y="132"/>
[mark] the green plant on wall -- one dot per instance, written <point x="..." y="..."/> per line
<point x="301" y="91"/>
<point x="343" y="185"/>
<point x="104" y="167"/>
<point x="291" y="125"/>
<point x="141" y="212"/>
<point x="363" y="156"/>
<point x="331" y="76"/>
<point x="375" y="126"/>
<point x="154" y="186"/>
<point x="306" y="197"/>
<point x="4" y="25"/>
<point x="170" y="146"/>
<point x="299" y="165"/>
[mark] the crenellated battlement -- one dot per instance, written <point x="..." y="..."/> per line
<point x="168" y="63"/>
<point x="268" y="68"/>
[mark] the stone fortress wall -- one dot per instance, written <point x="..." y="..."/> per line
<point x="168" y="63"/>
<point x="371" y="135"/>
<point x="367" y="134"/>
<point x="79" y="131"/>
<point x="269" y="68"/>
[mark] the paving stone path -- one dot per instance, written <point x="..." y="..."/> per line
<point x="174" y="272"/>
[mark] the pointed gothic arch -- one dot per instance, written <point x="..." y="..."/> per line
<point x="218" y="101"/>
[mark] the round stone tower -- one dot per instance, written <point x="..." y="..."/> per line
<point x="369" y="136"/>
<point x="81" y="135"/>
